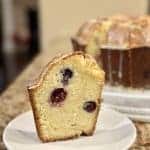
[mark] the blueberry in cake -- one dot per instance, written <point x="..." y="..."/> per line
<point x="121" y="46"/>
<point x="66" y="98"/>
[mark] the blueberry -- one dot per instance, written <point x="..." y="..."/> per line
<point x="89" y="106"/>
<point x="67" y="74"/>
<point x="58" y="96"/>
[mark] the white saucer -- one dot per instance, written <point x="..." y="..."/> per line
<point x="114" y="130"/>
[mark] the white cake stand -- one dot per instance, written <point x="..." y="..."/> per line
<point x="135" y="103"/>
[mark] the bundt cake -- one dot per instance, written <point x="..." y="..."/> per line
<point x="66" y="97"/>
<point x="121" y="45"/>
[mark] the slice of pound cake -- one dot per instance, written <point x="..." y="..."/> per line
<point x="66" y="98"/>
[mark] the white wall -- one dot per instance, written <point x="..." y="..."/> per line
<point x="58" y="15"/>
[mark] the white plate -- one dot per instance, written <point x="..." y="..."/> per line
<point x="114" y="130"/>
<point x="135" y="103"/>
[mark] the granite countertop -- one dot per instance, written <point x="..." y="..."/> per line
<point x="14" y="100"/>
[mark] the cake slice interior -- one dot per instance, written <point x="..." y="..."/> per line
<point x="66" y="98"/>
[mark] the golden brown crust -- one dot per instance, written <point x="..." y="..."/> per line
<point x="35" y="114"/>
<point x="53" y="62"/>
<point x="59" y="139"/>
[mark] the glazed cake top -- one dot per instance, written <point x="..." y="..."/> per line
<point x="120" y="31"/>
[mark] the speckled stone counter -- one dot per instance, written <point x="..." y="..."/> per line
<point x="14" y="101"/>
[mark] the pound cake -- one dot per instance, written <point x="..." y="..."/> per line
<point x="121" y="45"/>
<point x="66" y="97"/>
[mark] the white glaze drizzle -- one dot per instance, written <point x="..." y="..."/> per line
<point x="120" y="65"/>
<point x="109" y="66"/>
